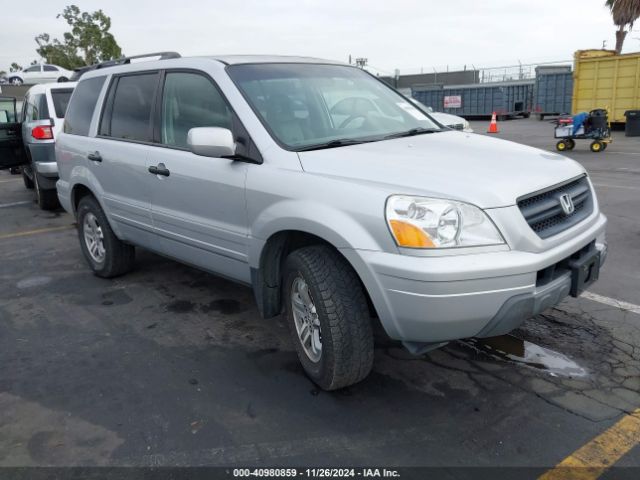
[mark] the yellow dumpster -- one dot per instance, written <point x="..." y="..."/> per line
<point x="602" y="79"/>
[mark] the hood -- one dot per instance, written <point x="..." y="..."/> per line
<point x="485" y="171"/>
<point x="447" y="118"/>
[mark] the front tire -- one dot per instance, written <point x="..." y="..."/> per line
<point x="15" y="81"/>
<point x="105" y="253"/>
<point x="63" y="79"/>
<point x="328" y="317"/>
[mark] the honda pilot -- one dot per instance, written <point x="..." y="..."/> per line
<point x="329" y="193"/>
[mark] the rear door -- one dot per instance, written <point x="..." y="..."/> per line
<point x="50" y="73"/>
<point x="119" y="159"/>
<point x="11" y="149"/>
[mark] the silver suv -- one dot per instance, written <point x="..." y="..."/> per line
<point x="42" y="117"/>
<point x="330" y="194"/>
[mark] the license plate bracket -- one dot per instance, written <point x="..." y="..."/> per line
<point x="584" y="271"/>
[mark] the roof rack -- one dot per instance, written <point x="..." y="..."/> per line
<point x="78" y="72"/>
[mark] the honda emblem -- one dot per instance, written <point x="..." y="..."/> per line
<point x="566" y="202"/>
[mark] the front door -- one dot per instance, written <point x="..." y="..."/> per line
<point x="197" y="203"/>
<point x="32" y="75"/>
<point x="12" y="152"/>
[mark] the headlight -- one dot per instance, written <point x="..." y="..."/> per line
<point x="466" y="127"/>
<point x="420" y="222"/>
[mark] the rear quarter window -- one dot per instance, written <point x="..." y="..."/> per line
<point x="81" y="106"/>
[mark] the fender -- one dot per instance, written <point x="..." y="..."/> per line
<point x="328" y="223"/>
<point x="81" y="175"/>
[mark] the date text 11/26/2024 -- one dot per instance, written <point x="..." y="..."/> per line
<point x="316" y="472"/>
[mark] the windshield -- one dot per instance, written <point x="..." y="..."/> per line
<point x="307" y="105"/>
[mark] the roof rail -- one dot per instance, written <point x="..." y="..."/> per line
<point x="78" y="72"/>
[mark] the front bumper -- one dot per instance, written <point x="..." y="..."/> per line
<point x="443" y="298"/>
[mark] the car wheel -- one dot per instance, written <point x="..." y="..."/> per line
<point x="63" y="79"/>
<point x="28" y="183"/>
<point x="328" y="317"/>
<point x="15" y="81"/>
<point x="106" y="254"/>
<point x="47" y="199"/>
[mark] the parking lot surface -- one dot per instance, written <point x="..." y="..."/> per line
<point x="172" y="366"/>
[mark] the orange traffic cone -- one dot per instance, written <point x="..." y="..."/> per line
<point x="493" y="126"/>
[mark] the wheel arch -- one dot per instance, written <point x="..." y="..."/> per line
<point x="267" y="275"/>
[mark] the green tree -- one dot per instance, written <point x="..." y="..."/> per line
<point x="624" y="13"/>
<point x="88" y="42"/>
<point x="15" y="67"/>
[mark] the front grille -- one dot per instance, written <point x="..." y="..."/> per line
<point x="543" y="211"/>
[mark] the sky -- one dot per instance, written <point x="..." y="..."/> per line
<point x="408" y="35"/>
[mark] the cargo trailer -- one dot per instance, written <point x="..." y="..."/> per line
<point x="602" y="79"/>
<point x="553" y="91"/>
<point x="506" y="99"/>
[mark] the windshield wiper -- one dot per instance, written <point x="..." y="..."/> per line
<point x="341" y="142"/>
<point x="412" y="132"/>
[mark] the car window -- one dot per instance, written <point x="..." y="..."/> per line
<point x="35" y="68"/>
<point x="190" y="100"/>
<point x="81" y="106"/>
<point x="50" y="68"/>
<point x="7" y="110"/>
<point x="40" y="107"/>
<point x="61" y="101"/>
<point x="129" y="113"/>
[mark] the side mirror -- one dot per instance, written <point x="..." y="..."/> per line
<point x="211" y="142"/>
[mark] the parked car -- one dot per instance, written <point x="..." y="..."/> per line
<point x="12" y="154"/>
<point x="236" y="165"/>
<point x="41" y="73"/>
<point x="42" y="118"/>
<point x="447" y="119"/>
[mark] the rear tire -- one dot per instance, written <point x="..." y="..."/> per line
<point x="338" y="315"/>
<point x="28" y="183"/>
<point x="570" y="143"/>
<point x="46" y="199"/>
<point x="561" y="146"/>
<point x="63" y="79"/>
<point x="109" y="256"/>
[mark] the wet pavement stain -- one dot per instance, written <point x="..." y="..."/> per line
<point x="226" y="306"/>
<point x="180" y="306"/>
<point x="515" y="350"/>
<point x="116" y="297"/>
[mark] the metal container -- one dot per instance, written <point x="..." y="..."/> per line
<point x="553" y="90"/>
<point x="506" y="99"/>
<point x="602" y="79"/>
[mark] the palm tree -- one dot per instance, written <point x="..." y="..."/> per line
<point x="624" y="13"/>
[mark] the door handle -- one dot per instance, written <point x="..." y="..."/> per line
<point x="94" y="156"/>
<point x="159" y="169"/>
